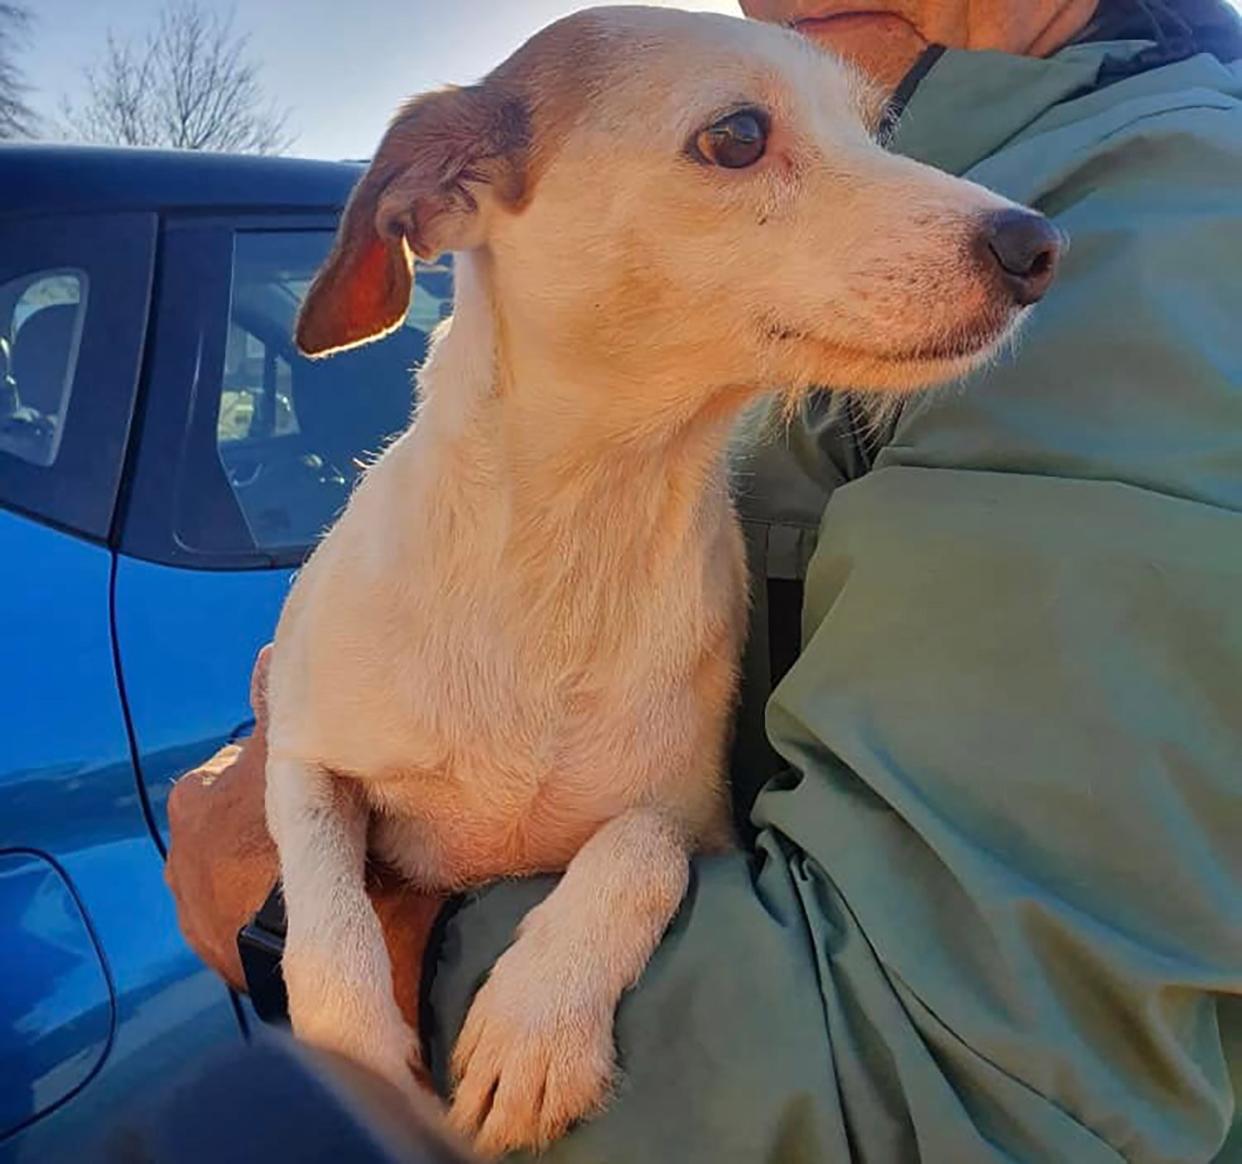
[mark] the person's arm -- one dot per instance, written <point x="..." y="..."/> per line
<point x="994" y="911"/>
<point x="222" y="863"/>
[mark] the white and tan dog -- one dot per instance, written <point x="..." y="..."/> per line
<point x="517" y="649"/>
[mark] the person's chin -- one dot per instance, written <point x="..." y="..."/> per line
<point x="852" y="24"/>
<point x="883" y="44"/>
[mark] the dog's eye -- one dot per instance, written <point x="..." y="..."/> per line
<point x="735" y="141"/>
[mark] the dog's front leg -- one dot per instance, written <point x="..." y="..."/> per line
<point x="336" y="966"/>
<point x="536" y="1050"/>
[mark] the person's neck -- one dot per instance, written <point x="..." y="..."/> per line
<point x="1032" y="28"/>
<point x="1062" y="25"/>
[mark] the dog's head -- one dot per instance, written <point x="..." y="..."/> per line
<point x="652" y="190"/>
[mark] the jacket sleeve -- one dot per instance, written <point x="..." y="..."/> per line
<point x="994" y="908"/>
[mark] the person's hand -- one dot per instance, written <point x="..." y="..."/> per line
<point x="222" y="863"/>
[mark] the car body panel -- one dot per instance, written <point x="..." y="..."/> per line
<point x="57" y="1008"/>
<point x="68" y="792"/>
<point x="100" y="998"/>
<point x="140" y="581"/>
<point x="187" y="640"/>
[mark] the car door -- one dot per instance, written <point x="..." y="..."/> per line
<point x="98" y="994"/>
<point x="247" y="453"/>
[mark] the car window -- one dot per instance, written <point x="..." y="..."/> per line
<point x="257" y="391"/>
<point x="75" y="293"/>
<point x="292" y="434"/>
<point x="41" y="319"/>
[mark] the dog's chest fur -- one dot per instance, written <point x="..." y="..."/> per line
<point x="504" y="677"/>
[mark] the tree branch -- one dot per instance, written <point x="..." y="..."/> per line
<point x="193" y="85"/>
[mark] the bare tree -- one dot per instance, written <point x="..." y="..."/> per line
<point x="17" y="119"/>
<point x="191" y="84"/>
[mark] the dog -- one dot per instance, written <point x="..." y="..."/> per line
<point x="517" y="649"/>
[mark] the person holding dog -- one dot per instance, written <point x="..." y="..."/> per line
<point x="989" y="901"/>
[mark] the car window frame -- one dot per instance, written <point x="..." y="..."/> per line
<point x="166" y="522"/>
<point x="81" y="489"/>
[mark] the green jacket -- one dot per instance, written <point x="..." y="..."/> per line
<point x="993" y="907"/>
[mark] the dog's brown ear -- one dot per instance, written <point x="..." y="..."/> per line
<point x="442" y="153"/>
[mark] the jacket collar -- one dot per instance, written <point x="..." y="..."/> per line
<point x="963" y="106"/>
<point x="954" y="108"/>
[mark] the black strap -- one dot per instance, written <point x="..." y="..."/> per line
<point x="784" y="625"/>
<point x="260" y="944"/>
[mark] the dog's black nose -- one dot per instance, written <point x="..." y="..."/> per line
<point x="1027" y="248"/>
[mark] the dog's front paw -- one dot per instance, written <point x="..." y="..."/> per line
<point x="535" y="1054"/>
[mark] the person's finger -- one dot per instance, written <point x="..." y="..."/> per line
<point x="258" y="685"/>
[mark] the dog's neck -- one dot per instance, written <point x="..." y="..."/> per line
<point x="562" y="454"/>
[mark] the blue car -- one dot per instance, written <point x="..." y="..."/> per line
<point x="167" y="459"/>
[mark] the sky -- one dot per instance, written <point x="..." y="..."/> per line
<point x="339" y="66"/>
